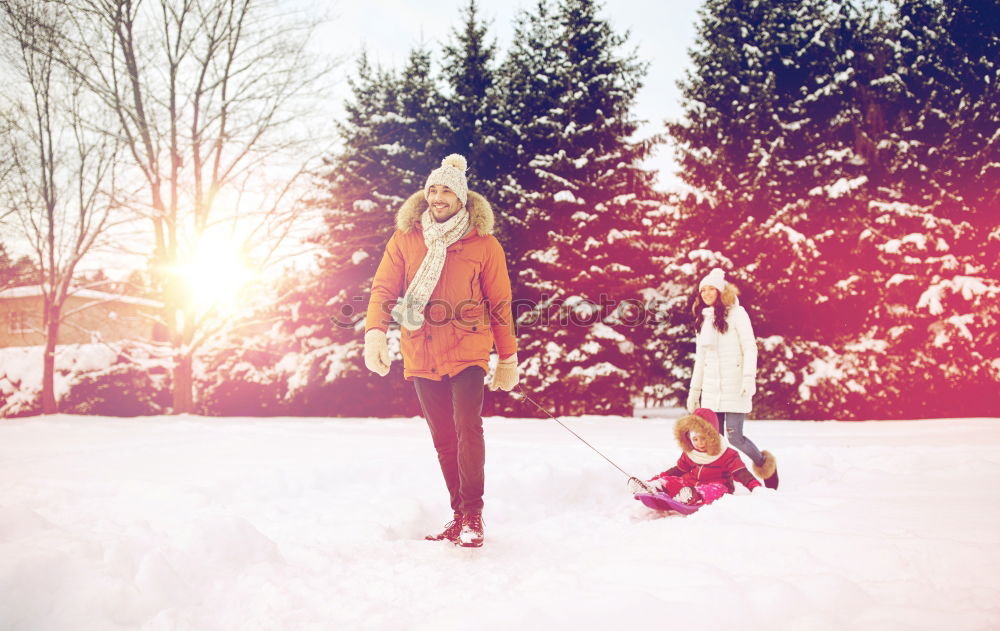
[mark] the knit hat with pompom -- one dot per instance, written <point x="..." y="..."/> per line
<point x="451" y="173"/>
<point x="716" y="278"/>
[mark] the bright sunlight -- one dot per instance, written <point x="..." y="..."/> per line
<point x="215" y="274"/>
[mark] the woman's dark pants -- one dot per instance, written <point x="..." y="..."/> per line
<point x="453" y="408"/>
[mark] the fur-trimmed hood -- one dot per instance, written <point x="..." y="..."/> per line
<point x="698" y="423"/>
<point x="480" y="213"/>
<point x="730" y="295"/>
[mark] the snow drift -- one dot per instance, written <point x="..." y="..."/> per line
<point x="200" y="524"/>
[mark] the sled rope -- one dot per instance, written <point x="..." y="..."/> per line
<point x="537" y="405"/>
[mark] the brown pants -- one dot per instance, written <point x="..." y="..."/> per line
<point x="453" y="408"/>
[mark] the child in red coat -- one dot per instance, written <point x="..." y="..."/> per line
<point x="707" y="468"/>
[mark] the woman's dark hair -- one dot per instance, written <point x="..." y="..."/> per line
<point x="719" y="310"/>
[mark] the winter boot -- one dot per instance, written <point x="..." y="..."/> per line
<point x="688" y="495"/>
<point x="768" y="470"/>
<point x="471" y="535"/>
<point x="450" y="532"/>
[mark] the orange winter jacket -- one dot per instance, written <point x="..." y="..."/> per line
<point x="470" y="308"/>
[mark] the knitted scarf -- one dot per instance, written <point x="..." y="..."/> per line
<point x="702" y="457"/>
<point x="409" y="312"/>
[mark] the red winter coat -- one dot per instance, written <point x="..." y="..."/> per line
<point x="726" y="468"/>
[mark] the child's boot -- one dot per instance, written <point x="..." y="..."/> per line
<point x="688" y="495"/>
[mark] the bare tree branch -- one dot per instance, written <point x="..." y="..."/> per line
<point x="61" y="168"/>
<point x="209" y="97"/>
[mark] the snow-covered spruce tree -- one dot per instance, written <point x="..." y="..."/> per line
<point x="761" y="103"/>
<point x="952" y="50"/>
<point x="756" y="81"/>
<point x="529" y="81"/>
<point x="579" y="196"/>
<point x="929" y="248"/>
<point x="754" y="101"/>
<point x="471" y="104"/>
<point x="391" y="138"/>
<point x="919" y="272"/>
<point x="670" y="344"/>
<point x="869" y="275"/>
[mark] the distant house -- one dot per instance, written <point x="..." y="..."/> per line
<point x="88" y="316"/>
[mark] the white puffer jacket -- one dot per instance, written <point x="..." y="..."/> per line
<point x="725" y="365"/>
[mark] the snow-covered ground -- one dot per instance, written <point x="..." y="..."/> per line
<point x="275" y="524"/>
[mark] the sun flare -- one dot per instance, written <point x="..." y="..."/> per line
<point x="215" y="274"/>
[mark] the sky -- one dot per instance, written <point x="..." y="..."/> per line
<point x="661" y="33"/>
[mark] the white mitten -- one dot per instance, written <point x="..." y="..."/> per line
<point x="692" y="402"/>
<point x="377" y="352"/>
<point x="748" y="387"/>
<point x="506" y="375"/>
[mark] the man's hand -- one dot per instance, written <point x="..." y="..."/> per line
<point x="377" y="352"/>
<point x="506" y="375"/>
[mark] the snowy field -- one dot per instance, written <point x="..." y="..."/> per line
<point x="201" y="524"/>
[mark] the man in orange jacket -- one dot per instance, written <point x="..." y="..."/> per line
<point x="443" y="278"/>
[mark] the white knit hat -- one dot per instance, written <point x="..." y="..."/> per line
<point x="716" y="278"/>
<point x="451" y="173"/>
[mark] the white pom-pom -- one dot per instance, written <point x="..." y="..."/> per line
<point x="455" y="160"/>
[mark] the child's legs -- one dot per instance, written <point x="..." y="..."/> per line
<point x="734" y="432"/>
<point x="711" y="491"/>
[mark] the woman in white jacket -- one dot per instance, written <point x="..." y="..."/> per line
<point x="725" y="368"/>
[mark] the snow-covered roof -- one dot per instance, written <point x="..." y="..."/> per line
<point x="30" y="291"/>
